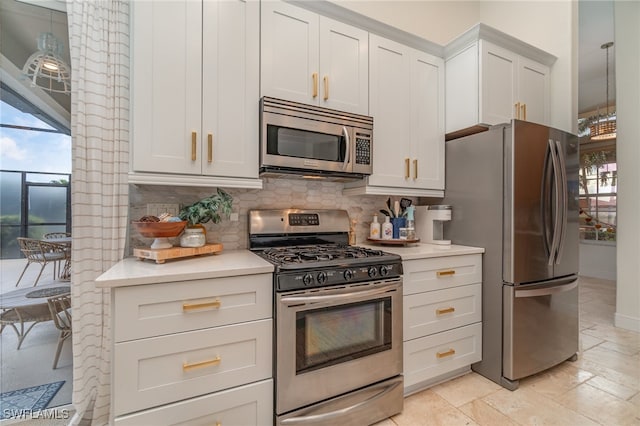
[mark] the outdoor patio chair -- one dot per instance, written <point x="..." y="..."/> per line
<point x="40" y="252"/>
<point x="16" y="319"/>
<point x="64" y="269"/>
<point x="60" y="308"/>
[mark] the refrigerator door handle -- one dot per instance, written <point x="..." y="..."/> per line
<point x="558" y="201"/>
<point x="546" y="203"/>
<point x="546" y="291"/>
<point x="565" y="201"/>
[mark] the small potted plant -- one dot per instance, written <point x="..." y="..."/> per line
<point x="212" y="208"/>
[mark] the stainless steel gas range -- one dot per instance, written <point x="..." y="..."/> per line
<point x="338" y="319"/>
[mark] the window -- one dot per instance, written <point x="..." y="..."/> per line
<point x="598" y="191"/>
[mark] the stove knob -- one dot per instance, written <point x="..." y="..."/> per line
<point x="322" y="277"/>
<point x="348" y="275"/>
<point x="373" y="272"/>
<point x="307" y="279"/>
<point x="384" y="271"/>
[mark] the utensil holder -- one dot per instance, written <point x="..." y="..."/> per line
<point x="398" y="222"/>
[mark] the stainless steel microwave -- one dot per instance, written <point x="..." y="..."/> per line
<point x="311" y="141"/>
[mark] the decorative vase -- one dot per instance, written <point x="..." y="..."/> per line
<point x="193" y="237"/>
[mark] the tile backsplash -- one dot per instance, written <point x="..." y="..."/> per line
<point x="276" y="194"/>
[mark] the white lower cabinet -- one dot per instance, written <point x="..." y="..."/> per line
<point x="442" y="324"/>
<point x="249" y="405"/>
<point x="193" y="352"/>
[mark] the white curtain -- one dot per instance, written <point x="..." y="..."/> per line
<point x="99" y="45"/>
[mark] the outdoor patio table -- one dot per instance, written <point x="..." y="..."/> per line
<point x="27" y="305"/>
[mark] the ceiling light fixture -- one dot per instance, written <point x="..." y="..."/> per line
<point x="45" y="68"/>
<point x="604" y="127"/>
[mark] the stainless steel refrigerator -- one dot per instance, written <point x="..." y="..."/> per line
<point x="514" y="191"/>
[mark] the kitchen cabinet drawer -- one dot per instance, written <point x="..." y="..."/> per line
<point x="429" y="357"/>
<point x="248" y="405"/>
<point x="435" y="311"/>
<point x="159" y="370"/>
<point x="158" y="309"/>
<point x="441" y="272"/>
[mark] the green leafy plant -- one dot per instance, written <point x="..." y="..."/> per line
<point x="211" y="208"/>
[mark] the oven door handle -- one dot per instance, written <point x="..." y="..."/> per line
<point x="324" y="417"/>
<point x="348" y="294"/>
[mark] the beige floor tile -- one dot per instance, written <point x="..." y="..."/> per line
<point x="386" y="422"/>
<point x="485" y="415"/>
<point x="636" y="399"/>
<point x="428" y="408"/>
<point x="465" y="389"/>
<point x="588" y="342"/>
<point x="528" y="407"/>
<point x="600" y="406"/>
<point x="599" y="369"/>
<point x="627" y="364"/>
<point x="615" y="389"/>
<point x="557" y="380"/>
<point x="614" y="334"/>
<point x="627" y="350"/>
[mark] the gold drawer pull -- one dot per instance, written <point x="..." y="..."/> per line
<point x="314" y="76"/>
<point x="326" y="87"/>
<point x="445" y="354"/>
<point x="192" y="306"/>
<point x="407" y="172"/>
<point x="210" y="148"/>
<point x="218" y="423"/>
<point x="194" y="135"/>
<point x="517" y="105"/>
<point x="415" y="169"/>
<point x="201" y="364"/>
<point x="445" y="273"/>
<point x="524" y="111"/>
<point x="445" y="310"/>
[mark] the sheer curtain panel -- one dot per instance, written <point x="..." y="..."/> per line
<point x="99" y="45"/>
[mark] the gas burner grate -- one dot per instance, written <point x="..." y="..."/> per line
<point x="321" y="253"/>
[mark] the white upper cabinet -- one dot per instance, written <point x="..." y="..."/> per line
<point x="488" y="83"/>
<point x="313" y="59"/>
<point x="195" y="91"/>
<point x="406" y="102"/>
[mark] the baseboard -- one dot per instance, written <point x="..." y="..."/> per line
<point x="627" y="322"/>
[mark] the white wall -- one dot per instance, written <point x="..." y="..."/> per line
<point x="598" y="260"/>
<point x="627" y="45"/>
<point x="436" y="21"/>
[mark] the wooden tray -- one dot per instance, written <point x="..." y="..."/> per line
<point x="161" y="255"/>
<point x="394" y="242"/>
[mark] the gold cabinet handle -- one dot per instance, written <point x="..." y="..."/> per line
<point x="193" y="306"/>
<point x="415" y="169"/>
<point x="210" y="147"/>
<point x="218" y="423"/>
<point x="194" y="136"/>
<point x="208" y="363"/>
<point x="445" y="273"/>
<point x="326" y="87"/>
<point x="523" y="107"/>
<point x="517" y="105"/>
<point x="406" y="168"/>
<point x="315" y="84"/>
<point x="445" y="354"/>
<point x="443" y="311"/>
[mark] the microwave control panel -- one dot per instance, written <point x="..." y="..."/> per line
<point x="363" y="148"/>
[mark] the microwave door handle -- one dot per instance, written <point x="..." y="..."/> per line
<point x="347" y="154"/>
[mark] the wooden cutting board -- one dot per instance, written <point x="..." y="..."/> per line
<point x="161" y="255"/>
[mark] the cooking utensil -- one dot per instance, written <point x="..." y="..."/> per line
<point x="396" y="208"/>
<point x="384" y="212"/>
<point x="405" y="202"/>
<point x="389" y="207"/>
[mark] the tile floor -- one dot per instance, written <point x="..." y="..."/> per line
<point x="601" y="388"/>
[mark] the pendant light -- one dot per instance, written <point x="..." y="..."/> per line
<point x="45" y="68"/>
<point x="604" y="128"/>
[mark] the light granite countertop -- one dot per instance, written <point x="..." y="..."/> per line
<point x="424" y="251"/>
<point x="132" y="271"/>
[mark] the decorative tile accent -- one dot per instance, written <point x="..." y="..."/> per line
<point x="276" y="194"/>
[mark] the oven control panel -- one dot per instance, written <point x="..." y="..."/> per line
<point x="304" y="219"/>
<point x="335" y="276"/>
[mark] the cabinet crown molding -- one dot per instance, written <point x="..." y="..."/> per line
<point x="485" y="32"/>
